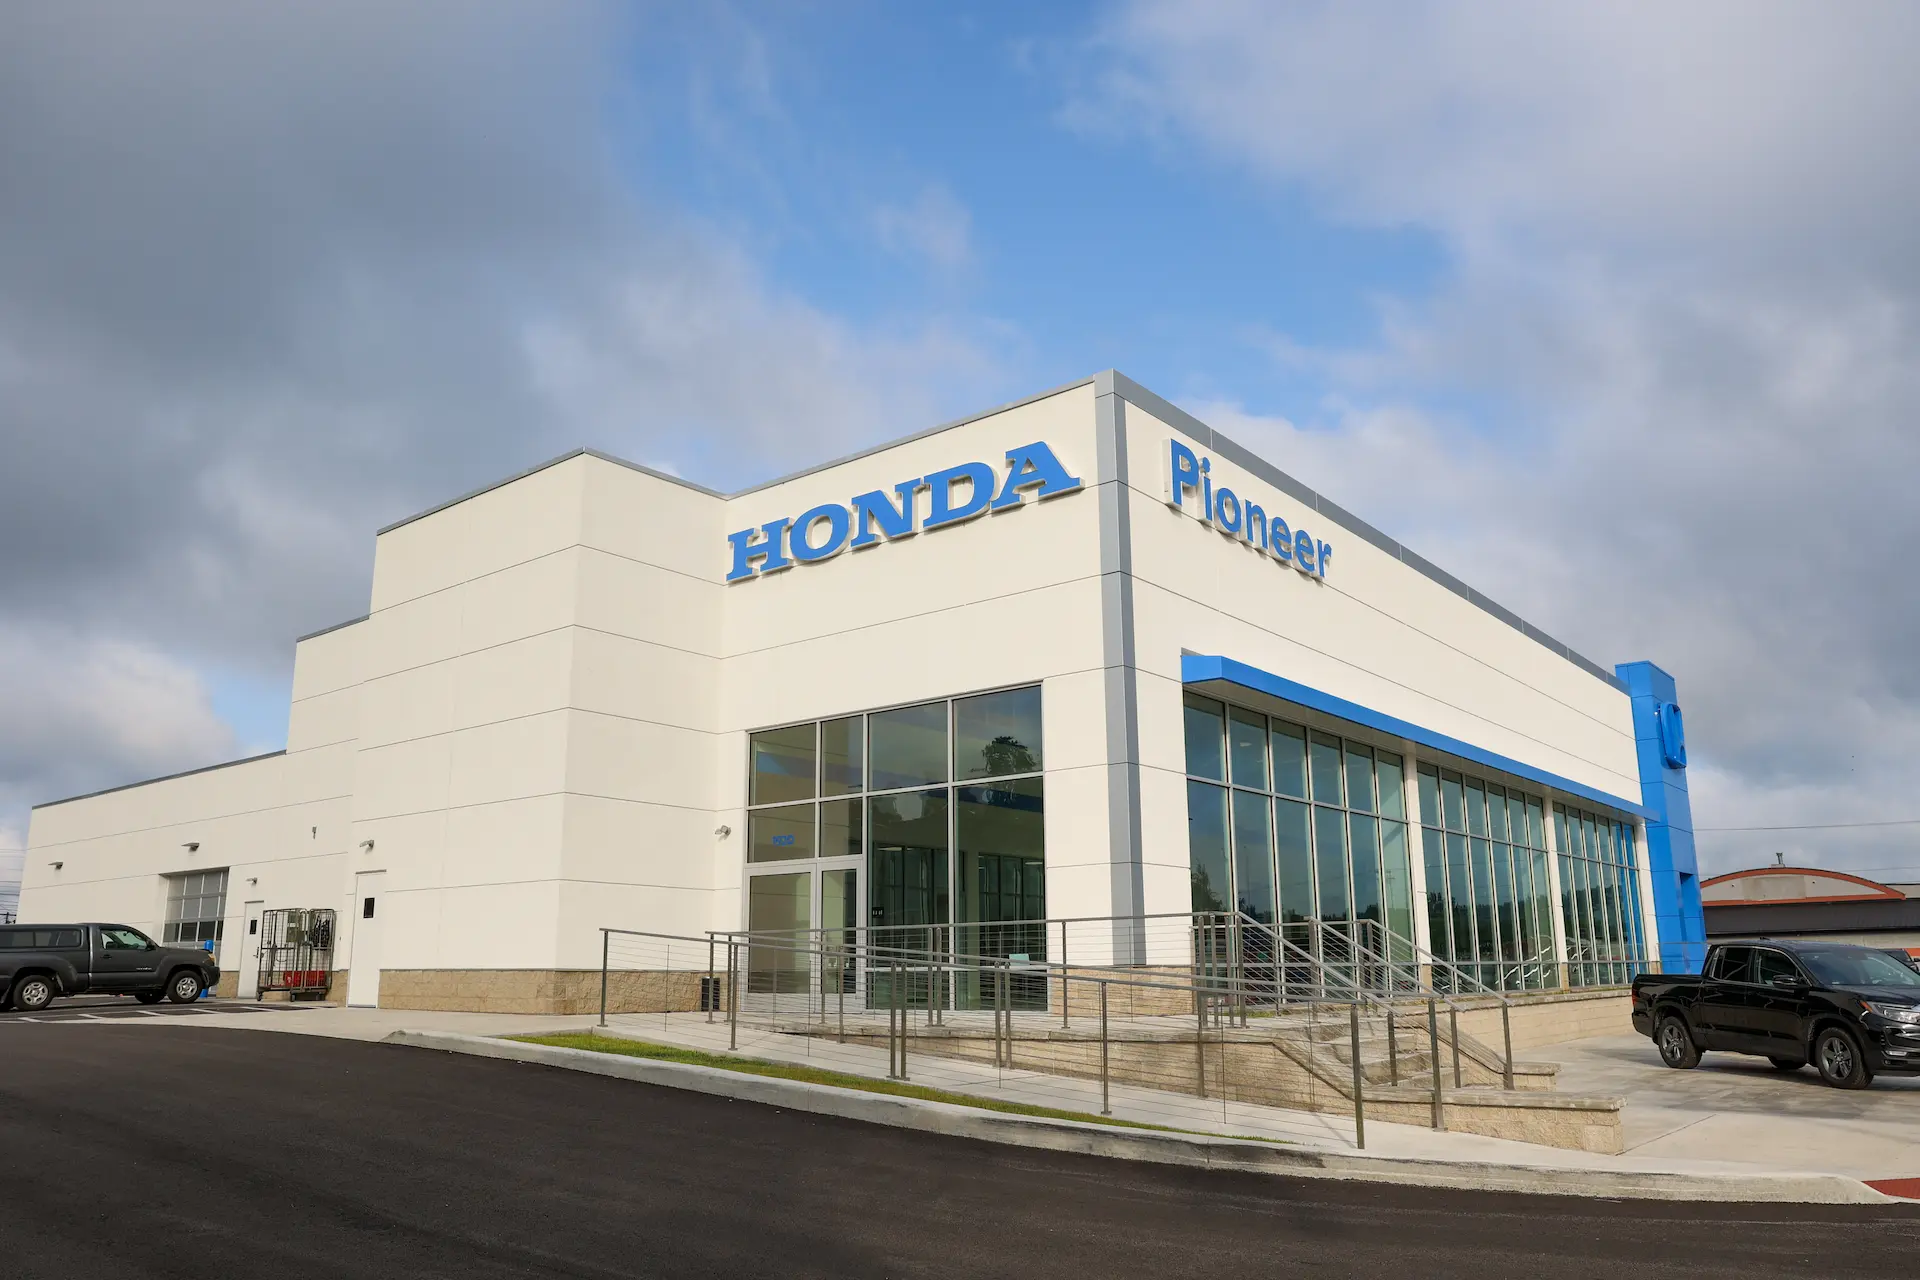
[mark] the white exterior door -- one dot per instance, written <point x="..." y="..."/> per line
<point x="248" y="967"/>
<point x="363" y="979"/>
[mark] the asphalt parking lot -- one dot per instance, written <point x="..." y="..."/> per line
<point x="1734" y="1107"/>
<point x="175" y="1150"/>
<point x="113" y="1008"/>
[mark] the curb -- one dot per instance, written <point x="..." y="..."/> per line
<point x="1149" y="1146"/>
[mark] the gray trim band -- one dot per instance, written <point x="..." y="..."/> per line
<point x="338" y="626"/>
<point x="165" y="777"/>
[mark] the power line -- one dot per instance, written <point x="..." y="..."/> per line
<point x="1822" y="826"/>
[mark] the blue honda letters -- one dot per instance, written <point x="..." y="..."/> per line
<point x="827" y="530"/>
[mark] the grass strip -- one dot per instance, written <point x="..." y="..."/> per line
<point x="623" y="1047"/>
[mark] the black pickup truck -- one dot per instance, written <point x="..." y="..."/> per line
<point x="41" y="961"/>
<point x="1853" y="1012"/>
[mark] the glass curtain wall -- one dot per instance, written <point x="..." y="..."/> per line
<point x="942" y="805"/>
<point x="1302" y="830"/>
<point x="1599" y="896"/>
<point x="1484" y="847"/>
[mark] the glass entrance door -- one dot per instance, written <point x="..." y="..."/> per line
<point x="780" y="919"/>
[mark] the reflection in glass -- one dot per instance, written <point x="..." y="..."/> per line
<point x="1330" y="857"/>
<point x="840" y="829"/>
<point x="839" y="919"/>
<point x="1253" y="855"/>
<point x="1363" y="837"/>
<point x="780" y="911"/>
<point x="842" y="752"/>
<point x="776" y="835"/>
<point x="1247" y="748"/>
<point x="1324" y="752"/>
<point x="1476" y="809"/>
<point x="996" y="734"/>
<point x="780" y="765"/>
<point x="1397" y="883"/>
<point x="1293" y="840"/>
<point x="1496" y="813"/>
<point x="1360" y="779"/>
<point x="1206" y="749"/>
<point x="1460" y="900"/>
<point x="1289" y="743"/>
<point x="1207" y="847"/>
<point x="1439" y="931"/>
<point x="908" y="746"/>
<point x="1001" y="884"/>
<point x="1393" y="786"/>
<point x="906" y="881"/>
<point x="1429" y="795"/>
<point x="1450" y="803"/>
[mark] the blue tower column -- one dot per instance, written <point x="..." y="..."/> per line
<point x="1660" y="741"/>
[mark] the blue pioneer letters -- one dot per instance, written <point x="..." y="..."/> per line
<point x="956" y="494"/>
<point x="1190" y="489"/>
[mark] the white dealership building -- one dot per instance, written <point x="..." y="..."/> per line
<point x="1077" y="656"/>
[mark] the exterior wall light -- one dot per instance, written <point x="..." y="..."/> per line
<point x="191" y="846"/>
<point x="723" y="831"/>
<point x="366" y="846"/>
<point x="56" y="865"/>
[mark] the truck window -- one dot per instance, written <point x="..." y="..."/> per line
<point x="1769" y="965"/>
<point x="1859" y="967"/>
<point x="1735" y="965"/>
<point x="123" y="940"/>
<point x="39" y="939"/>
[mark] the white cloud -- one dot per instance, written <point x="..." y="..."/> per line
<point x="935" y="227"/>
<point x="1680" y="306"/>
<point x="270" y="278"/>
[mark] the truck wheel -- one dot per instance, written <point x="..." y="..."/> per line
<point x="147" y="997"/>
<point x="1840" y="1060"/>
<point x="32" y="993"/>
<point x="1786" y="1064"/>
<point x="184" y="987"/>
<point x="1677" y="1049"/>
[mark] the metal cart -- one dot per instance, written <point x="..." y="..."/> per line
<point x="296" y="952"/>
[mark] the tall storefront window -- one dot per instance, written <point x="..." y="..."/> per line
<point x="1599" y="896"/>
<point x="922" y="827"/>
<point x="1484" y="848"/>
<point x="1294" y="828"/>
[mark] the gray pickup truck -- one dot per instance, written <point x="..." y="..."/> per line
<point x="41" y="961"/>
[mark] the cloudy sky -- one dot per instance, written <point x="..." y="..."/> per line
<point x="1614" y="310"/>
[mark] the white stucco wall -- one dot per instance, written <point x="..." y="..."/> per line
<point x="541" y="724"/>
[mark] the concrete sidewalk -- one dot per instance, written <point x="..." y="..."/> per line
<point x="1324" y="1131"/>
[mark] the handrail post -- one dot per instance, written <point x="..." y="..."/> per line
<point x="1200" y="1039"/>
<point x="1453" y="1034"/>
<point x="1433" y="1057"/>
<point x="1066" y="1004"/>
<point x="1359" y="1078"/>
<point x="840" y="985"/>
<point x="606" y="939"/>
<point x="1393" y="1049"/>
<point x="906" y="1007"/>
<point x="713" y="988"/>
<point x="1506" y="1033"/>
<point x="1106" y="1100"/>
<point x="733" y="993"/>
